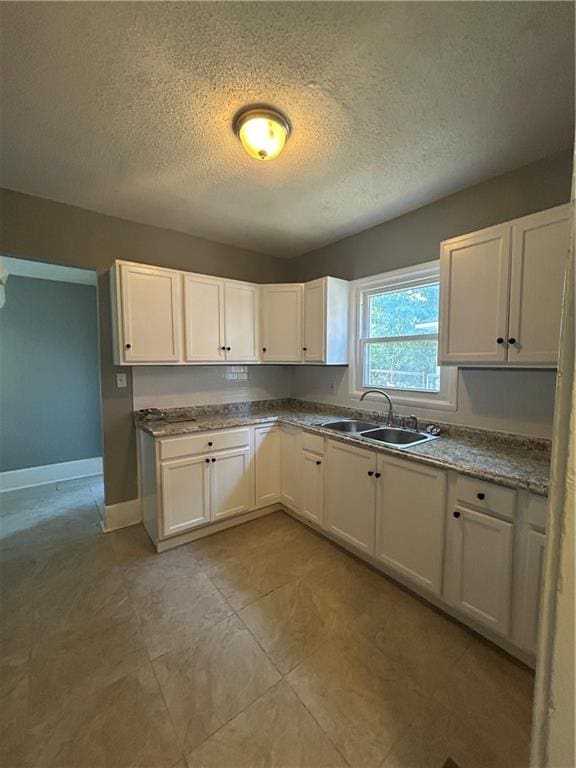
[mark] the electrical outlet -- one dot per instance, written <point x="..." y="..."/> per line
<point x="121" y="381"/>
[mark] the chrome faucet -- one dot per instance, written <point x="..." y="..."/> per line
<point x="387" y="396"/>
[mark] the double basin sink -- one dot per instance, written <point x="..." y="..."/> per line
<point x="396" y="437"/>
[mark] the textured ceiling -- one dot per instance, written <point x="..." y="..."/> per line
<point x="126" y="108"/>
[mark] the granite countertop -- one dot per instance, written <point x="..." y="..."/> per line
<point x="510" y="460"/>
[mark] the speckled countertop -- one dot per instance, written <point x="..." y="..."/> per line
<point x="510" y="460"/>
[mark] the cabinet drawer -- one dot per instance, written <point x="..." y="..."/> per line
<point x="537" y="511"/>
<point x="313" y="443"/>
<point x="206" y="442"/>
<point x="486" y="496"/>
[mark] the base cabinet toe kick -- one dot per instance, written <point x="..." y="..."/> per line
<point x="472" y="548"/>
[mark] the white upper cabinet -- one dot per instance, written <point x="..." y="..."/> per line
<point x="204" y="319"/>
<point x="326" y="321"/>
<point x="146" y="314"/>
<point x="410" y="519"/>
<point x="282" y="323"/>
<point x="539" y="254"/>
<point x="494" y="286"/>
<point x="474" y="274"/>
<point x="241" y="310"/>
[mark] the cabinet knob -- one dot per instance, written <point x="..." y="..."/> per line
<point x="207" y="461"/>
<point x="228" y="349"/>
<point x="212" y="460"/>
<point x="370" y="474"/>
<point x="223" y="349"/>
<point x="456" y="514"/>
<point x="481" y="496"/>
<point x="263" y="349"/>
<point x="378" y="474"/>
<point x="305" y="349"/>
<point x="318" y="463"/>
<point x="499" y="340"/>
<point x="511" y="340"/>
<point x="210" y="444"/>
<point x="128" y="346"/>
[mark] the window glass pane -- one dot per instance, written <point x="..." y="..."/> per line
<point x="410" y="312"/>
<point x="403" y="365"/>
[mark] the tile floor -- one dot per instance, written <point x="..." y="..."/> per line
<point x="264" y="645"/>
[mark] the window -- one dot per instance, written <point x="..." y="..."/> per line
<point x="397" y="338"/>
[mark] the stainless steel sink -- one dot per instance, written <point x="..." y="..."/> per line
<point x="350" y="425"/>
<point x="400" y="438"/>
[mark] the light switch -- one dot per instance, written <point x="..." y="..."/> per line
<point x="121" y="382"/>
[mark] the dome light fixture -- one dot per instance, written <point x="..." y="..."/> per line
<point x="263" y="131"/>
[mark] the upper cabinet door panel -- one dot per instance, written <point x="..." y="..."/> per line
<point x="474" y="297"/>
<point x="282" y="323"/>
<point x="204" y="318"/>
<point x="151" y="314"/>
<point x="241" y="309"/>
<point x="315" y="321"/>
<point x="539" y="254"/>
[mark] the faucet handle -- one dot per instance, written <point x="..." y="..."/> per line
<point x="411" y="422"/>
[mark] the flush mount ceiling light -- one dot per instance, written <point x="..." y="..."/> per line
<point x="263" y="131"/>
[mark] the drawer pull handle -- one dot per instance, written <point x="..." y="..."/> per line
<point x="456" y="514"/>
<point x="370" y="474"/>
<point x="210" y="444"/>
<point x="481" y="496"/>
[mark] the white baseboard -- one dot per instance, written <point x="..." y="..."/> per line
<point x="50" y="473"/>
<point x="121" y="515"/>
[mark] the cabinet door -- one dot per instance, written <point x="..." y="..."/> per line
<point x="312" y="487"/>
<point x="185" y="494"/>
<point x="267" y="464"/>
<point x="282" y="323"/>
<point x="315" y="321"/>
<point x="534" y="576"/>
<point x="204" y="318"/>
<point x="539" y="255"/>
<point x="474" y="280"/>
<point x="483" y="567"/>
<point x="351" y="494"/>
<point x="241" y="321"/>
<point x="410" y="516"/>
<point x="232" y="483"/>
<point x="291" y="467"/>
<point x="151" y="314"/>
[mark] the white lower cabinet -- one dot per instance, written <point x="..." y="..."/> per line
<point x="185" y="493"/>
<point x="290" y="468"/>
<point x="411" y="503"/>
<point x="482" y="567"/>
<point x="312" y="487"/>
<point x="232" y="486"/>
<point x="267" y="464"/>
<point x="532" y="597"/>
<point x="351" y="494"/>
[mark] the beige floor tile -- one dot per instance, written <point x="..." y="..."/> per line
<point x="146" y="574"/>
<point x="72" y="661"/>
<point x="290" y="623"/>
<point x="276" y="731"/>
<point x="362" y="701"/>
<point x="213" y="679"/>
<point x="13" y="706"/>
<point x="124" y="725"/>
<point x="131" y="544"/>
<point x="177" y="610"/>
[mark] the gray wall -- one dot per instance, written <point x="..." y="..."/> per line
<point x="515" y="401"/>
<point x="42" y="230"/>
<point x="49" y="390"/>
<point x="415" y="237"/>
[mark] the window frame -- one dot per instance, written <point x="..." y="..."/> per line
<point x="397" y="280"/>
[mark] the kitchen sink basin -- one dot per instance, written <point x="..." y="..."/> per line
<point x="350" y="425"/>
<point x="400" y="438"/>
